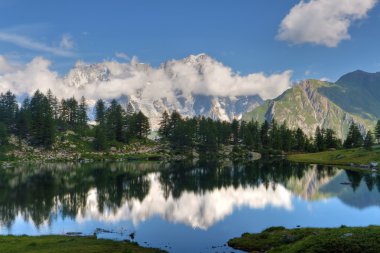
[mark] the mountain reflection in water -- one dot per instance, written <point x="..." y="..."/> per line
<point x="198" y="196"/>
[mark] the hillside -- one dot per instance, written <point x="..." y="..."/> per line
<point x="305" y="106"/>
<point x="357" y="92"/>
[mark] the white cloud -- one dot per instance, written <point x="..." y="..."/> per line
<point x="6" y="66"/>
<point x="67" y="42"/>
<point x="123" y="56"/>
<point x="325" y="79"/>
<point x="322" y="22"/>
<point x="196" y="210"/>
<point x="111" y="79"/>
<point x="25" y="42"/>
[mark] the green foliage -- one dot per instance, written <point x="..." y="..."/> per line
<point x="368" y="141"/>
<point x="339" y="157"/>
<point x="356" y="92"/>
<point x="67" y="244"/>
<point x="42" y="128"/>
<point x="377" y="131"/>
<point x="40" y="119"/>
<point x="3" y="134"/>
<point x="354" y="137"/>
<point x="100" y="142"/>
<point x="323" y="240"/>
<point x="307" y="105"/>
<point x="8" y="109"/>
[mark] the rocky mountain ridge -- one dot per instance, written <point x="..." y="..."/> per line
<point x="304" y="106"/>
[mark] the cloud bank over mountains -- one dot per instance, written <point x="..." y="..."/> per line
<point x="323" y="22"/>
<point x="196" y="74"/>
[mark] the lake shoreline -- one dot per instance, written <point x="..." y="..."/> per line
<point x="358" y="158"/>
<point x="280" y="239"/>
<point x="68" y="243"/>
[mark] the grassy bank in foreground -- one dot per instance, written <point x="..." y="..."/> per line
<point x="67" y="244"/>
<point x="279" y="239"/>
<point x="339" y="157"/>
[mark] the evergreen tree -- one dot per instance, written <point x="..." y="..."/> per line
<point x="23" y="120"/>
<point x="164" y="129"/>
<point x="130" y="110"/>
<point x="319" y="139"/>
<point x="223" y="132"/>
<point x="82" y="116"/>
<point x="175" y="119"/>
<point x="100" y="112"/>
<point x="286" y="137"/>
<point x="100" y="142"/>
<point x="3" y="134"/>
<point x="42" y="122"/>
<point x="300" y="140"/>
<point x="368" y="141"/>
<point x="53" y="102"/>
<point x="354" y="137"/>
<point x="8" y="110"/>
<point x="331" y="141"/>
<point x="264" y="134"/>
<point x="377" y="131"/>
<point x="115" y="121"/>
<point x="142" y="125"/>
<point x="235" y="131"/>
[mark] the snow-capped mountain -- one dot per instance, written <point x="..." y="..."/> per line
<point x="175" y="85"/>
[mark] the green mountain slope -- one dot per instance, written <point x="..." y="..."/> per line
<point x="357" y="92"/>
<point x="305" y="106"/>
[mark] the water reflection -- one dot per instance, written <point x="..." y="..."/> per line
<point x="190" y="208"/>
<point x="196" y="195"/>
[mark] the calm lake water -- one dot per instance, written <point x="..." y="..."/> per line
<point x="184" y="207"/>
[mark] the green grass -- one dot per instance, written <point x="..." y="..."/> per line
<point x="329" y="240"/>
<point x="339" y="157"/>
<point x="67" y="244"/>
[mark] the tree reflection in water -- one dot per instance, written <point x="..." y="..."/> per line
<point x="43" y="192"/>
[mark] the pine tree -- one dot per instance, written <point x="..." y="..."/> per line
<point x="377" y="131"/>
<point x="42" y="122"/>
<point x="8" y="110"/>
<point x="82" y="116"/>
<point x="164" y="129"/>
<point x="130" y="110"/>
<point x="331" y="141"/>
<point x="3" y="134"/>
<point x="319" y="139"/>
<point x="142" y="125"/>
<point x="53" y="102"/>
<point x="100" y="112"/>
<point x="100" y="142"/>
<point x="354" y="138"/>
<point x="115" y="121"/>
<point x="300" y="140"/>
<point x="264" y="134"/>
<point x="23" y="120"/>
<point x="368" y="141"/>
<point x="235" y="131"/>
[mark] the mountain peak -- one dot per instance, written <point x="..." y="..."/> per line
<point x="196" y="58"/>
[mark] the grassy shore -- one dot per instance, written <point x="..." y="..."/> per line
<point x="67" y="244"/>
<point x="339" y="157"/>
<point x="322" y="240"/>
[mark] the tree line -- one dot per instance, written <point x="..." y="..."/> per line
<point x="205" y="134"/>
<point x="39" y="119"/>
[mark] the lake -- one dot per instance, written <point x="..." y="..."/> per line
<point x="182" y="207"/>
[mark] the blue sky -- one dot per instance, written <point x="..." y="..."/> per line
<point x="242" y="34"/>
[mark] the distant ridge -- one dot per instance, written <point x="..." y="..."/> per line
<point x="314" y="103"/>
